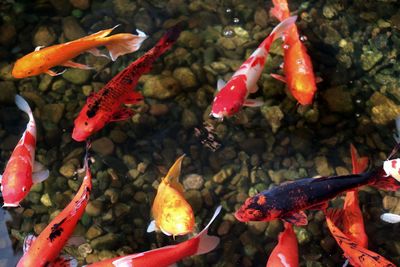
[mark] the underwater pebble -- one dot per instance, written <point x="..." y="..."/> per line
<point x="338" y="99"/>
<point x="161" y="87"/>
<point x="107" y="241"/>
<point x="158" y="109"/>
<point x="8" y="34"/>
<point x="46" y="201"/>
<point x="274" y="115"/>
<point x="94" y="208"/>
<point x="383" y="109"/>
<point x="8" y="92"/>
<point x="195" y="199"/>
<point x="124" y="8"/>
<point x="189" y="119"/>
<point x="77" y="76"/>
<point x="81" y="4"/>
<point x="104" y="146"/>
<point x="71" y="28"/>
<point x="52" y="112"/>
<point x="193" y="181"/>
<point x="44" y="36"/>
<point x="222" y="175"/>
<point x="322" y="165"/>
<point x="186" y="77"/>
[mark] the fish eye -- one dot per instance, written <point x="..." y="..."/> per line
<point x="86" y="123"/>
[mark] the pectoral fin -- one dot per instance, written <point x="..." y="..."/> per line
<point x="39" y="47"/>
<point x="122" y="114"/>
<point x="40" y="176"/>
<point x="96" y="52"/>
<point x="52" y="73"/>
<point x="72" y="64"/>
<point x="28" y="241"/>
<point x="133" y="97"/>
<point x="319" y="206"/>
<point x="220" y="84"/>
<point x="278" y="77"/>
<point x="152" y="227"/>
<point x="253" y="103"/>
<point x="297" y="219"/>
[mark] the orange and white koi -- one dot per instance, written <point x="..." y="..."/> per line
<point x="286" y="252"/>
<point x="42" y="59"/>
<point x="107" y="104"/>
<point x="172" y="214"/>
<point x="22" y="171"/>
<point x="297" y="66"/>
<point x="233" y="95"/>
<point x="357" y="255"/>
<point x="44" y="250"/>
<point x="167" y="256"/>
<point x="353" y="222"/>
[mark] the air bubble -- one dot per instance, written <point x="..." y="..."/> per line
<point x="358" y="115"/>
<point x="303" y="38"/>
<point x="285" y="46"/>
<point x="228" y="32"/>
<point x="236" y="20"/>
<point x="228" y="10"/>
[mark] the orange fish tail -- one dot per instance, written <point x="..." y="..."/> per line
<point x="280" y="9"/>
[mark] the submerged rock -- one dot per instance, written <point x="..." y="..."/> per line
<point x="77" y="76"/>
<point x="44" y="36"/>
<point x="161" y="87"/>
<point x="383" y="109"/>
<point x="338" y="99"/>
<point x="274" y="115"/>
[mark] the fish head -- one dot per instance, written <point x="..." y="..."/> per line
<point x="177" y="215"/>
<point x="256" y="208"/>
<point x="14" y="192"/>
<point x="28" y="66"/>
<point x="225" y="106"/>
<point x="88" y="123"/>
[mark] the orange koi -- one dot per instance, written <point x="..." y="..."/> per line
<point x="297" y="66"/>
<point x="357" y="255"/>
<point x="42" y="59"/>
<point x="353" y="223"/>
<point x="22" y="171"/>
<point x="167" y="256"/>
<point x="286" y="253"/>
<point x="44" y="250"/>
<point x="172" y="214"/>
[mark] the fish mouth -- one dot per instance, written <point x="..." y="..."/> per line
<point x="219" y="116"/>
<point x="78" y="136"/>
<point x="239" y="216"/>
<point x="10" y="205"/>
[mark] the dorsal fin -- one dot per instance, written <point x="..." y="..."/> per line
<point x="172" y="177"/>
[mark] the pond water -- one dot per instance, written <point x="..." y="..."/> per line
<point x="354" y="48"/>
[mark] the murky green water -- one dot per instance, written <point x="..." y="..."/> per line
<point x="354" y="47"/>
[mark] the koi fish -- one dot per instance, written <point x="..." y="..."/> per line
<point x="390" y="217"/>
<point x="172" y="214"/>
<point x="22" y="171"/>
<point x="297" y="66"/>
<point x="353" y="223"/>
<point x="42" y="59"/>
<point x="287" y="201"/>
<point x="286" y="253"/>
<point x="167" y="256"/>
<point x="106" y="105"/>
<point x="357" y="255"/>
<point x="233" y="95"/>
<point x="44" y="250"/>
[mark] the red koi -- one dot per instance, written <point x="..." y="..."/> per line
<point x="106" y="105"/>
<point x="22" y="171"/>
<point x="297" y="66"/>
<point x="167" y="256"/>
<point x="44" y="250"/>
<point x="286" y="253"/>
<point x="353" y="223"/>
<point x="233" y="95"/>
<point x="357" y="255"/>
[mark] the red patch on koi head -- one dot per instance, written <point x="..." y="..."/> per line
<point x="256" y="209"/>
<point x="394" y="163"/>
<point x="230" y="99"/>
<point x="85" y="126"/>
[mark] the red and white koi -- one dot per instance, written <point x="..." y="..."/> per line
<point x="167" y="256"/>
<point x="22" y="171"/>
<point x="44" y="250"/>
<point x="233" y="95"/>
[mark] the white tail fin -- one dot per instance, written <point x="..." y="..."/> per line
<point x="208" y="243"/>
<point x="23" y="105"/>
<point x="282" y="27"/>
<point x="28" y="241"/>
<point x="124" y="43"/>
<point x="390" y="217"/>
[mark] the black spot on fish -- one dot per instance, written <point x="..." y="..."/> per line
<point x="56" y="230"/>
